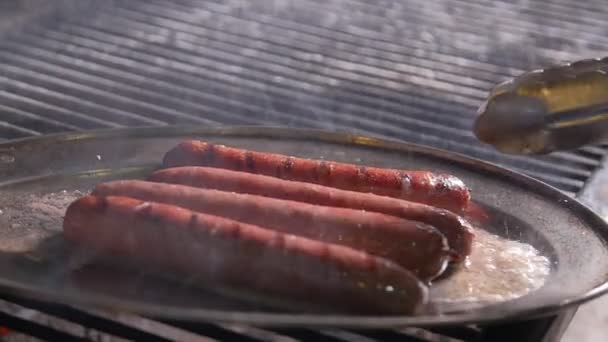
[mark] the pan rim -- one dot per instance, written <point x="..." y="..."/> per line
<point x="499" y="312"/>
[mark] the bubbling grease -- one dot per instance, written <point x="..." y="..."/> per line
<point x="497" y="270"/>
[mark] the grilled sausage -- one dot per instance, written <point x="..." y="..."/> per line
<point x="439" y="190"/>
<point x="233" y="254"/>
<point x="413" y="245"/>
<point x="457" y="230"/>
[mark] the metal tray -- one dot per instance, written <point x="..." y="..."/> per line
<point x="573" y="237"/>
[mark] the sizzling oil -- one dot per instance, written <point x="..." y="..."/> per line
<point x="498" y="269"/>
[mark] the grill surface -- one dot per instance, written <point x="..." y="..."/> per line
<point x="399" y="69"/>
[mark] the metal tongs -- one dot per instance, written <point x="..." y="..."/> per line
<point x="518" y="123"/>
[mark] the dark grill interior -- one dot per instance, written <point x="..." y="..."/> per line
<point x="400" y="69"/>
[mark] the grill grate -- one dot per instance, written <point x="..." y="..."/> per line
<point x="398" y="69"/>
<point x="55" y="319"/>
<point x="418" y="74"/>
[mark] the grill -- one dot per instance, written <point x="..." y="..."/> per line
<point x="396" y="69"/>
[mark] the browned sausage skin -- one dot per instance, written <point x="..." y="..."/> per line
<point x="413" y="245"/>
<point x="231" y="253"/>
<point x="456" y="229"/>
<point x="440" y="190"/>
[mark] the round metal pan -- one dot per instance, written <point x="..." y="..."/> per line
<point x="573" y="237"/>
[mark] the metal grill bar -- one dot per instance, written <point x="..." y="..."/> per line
<point x="341" y="68"/>
<point x="53" y="97"/>
<point x="39" y="123"/>
<point x="25" y="104"/>
<point x="346" y="335"/>
<point x="391" y="335"/>
<point x="442" y="81"/>
<point x="13" y="131"/>
<point x="415" y="50"/>
<point x="485" y="18"/>
<point x="359" y="68"/>
<point x="467" y="333"/>
<point x="315" y="335"/>
<point x="37" y="330"/>
<point x="75" y="92"/>
<point x="470" y="45"/>
<point x="214" y="331"/>
<point x="114" y="82"/>
<point x="548" y="14"/>
<point x="111" y="327"/>
<point x="176" y="94"/>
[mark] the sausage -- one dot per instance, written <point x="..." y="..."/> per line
<point x="413" y="245"/>
<point x="436" y="189"/>
<point x="223" y="252"/>
<point x="457" y="230"/>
